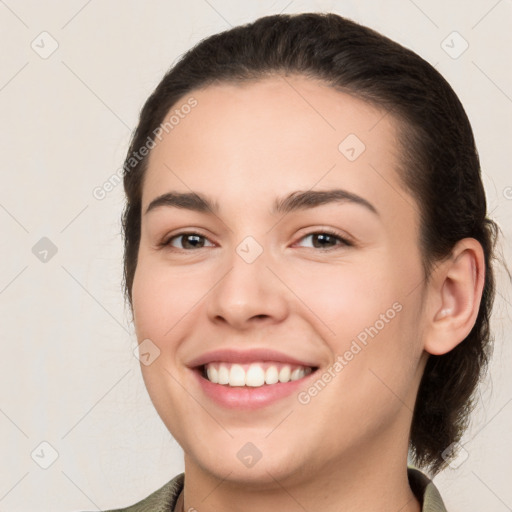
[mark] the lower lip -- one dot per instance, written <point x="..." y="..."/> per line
<point x="246" y="397"/>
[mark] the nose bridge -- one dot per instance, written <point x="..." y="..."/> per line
<point x="248" y="289"/>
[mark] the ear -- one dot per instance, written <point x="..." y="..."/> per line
<point x="455" y="291"/>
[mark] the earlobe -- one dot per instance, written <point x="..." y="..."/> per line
<point x="456" y="292"/>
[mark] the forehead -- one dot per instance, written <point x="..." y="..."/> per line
<point x="249" y="142"/>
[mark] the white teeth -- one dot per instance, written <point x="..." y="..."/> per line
<point x="236" y="376"/>
<point x="254" y="375"/>
<point x="298" y="373"/>
<point x="223" y="374"/>
<point x="285" y="373"/>
<point x="271" y="375"/>
<point x="213" y="375"/>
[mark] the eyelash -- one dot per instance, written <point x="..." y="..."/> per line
<point x="344" y="241"/>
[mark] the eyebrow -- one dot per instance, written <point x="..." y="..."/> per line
<point x="292" y="202"/>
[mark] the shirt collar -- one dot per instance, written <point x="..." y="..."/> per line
<point x="425" y="491"/>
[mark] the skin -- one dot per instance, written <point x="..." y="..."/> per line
<point x="244" y="146"/>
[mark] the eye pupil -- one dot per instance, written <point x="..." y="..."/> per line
<point x="324" y="237"/>
<point x="196" y="240"/>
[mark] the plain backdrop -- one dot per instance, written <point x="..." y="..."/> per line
<point x="78" y="430"/>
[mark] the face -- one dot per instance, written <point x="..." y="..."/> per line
<point x="286" y="305"/>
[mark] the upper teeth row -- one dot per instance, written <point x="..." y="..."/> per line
<point x="254" y="375"/>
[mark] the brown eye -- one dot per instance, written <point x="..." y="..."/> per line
<point x="326" y="240"/>
<point x="188" y="241"/>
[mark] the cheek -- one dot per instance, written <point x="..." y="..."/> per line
<point x="149" y="303"/>
<point x="371" y="319"/>
<point x="379" y="341"/>
<point x="163" y="297"/>
<point x="163" y="310"/>
<point x="346" y="298"/>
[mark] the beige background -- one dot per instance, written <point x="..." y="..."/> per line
<point x="68" y="376"/>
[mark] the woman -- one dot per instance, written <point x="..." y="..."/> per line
<point x="308" y="263"/>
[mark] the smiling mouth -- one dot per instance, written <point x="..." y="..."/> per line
<point x="254" y="375"/>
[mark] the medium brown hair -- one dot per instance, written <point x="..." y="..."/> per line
<point x="439" y="167"/>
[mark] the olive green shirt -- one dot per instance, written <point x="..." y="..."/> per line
<point x="164" y="499"/>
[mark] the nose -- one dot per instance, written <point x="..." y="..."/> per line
<point x="248" y="293"/>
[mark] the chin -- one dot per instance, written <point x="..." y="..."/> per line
<point x="258" y="465"/>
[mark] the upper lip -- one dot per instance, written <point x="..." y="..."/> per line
<point x="247" y="356"/>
